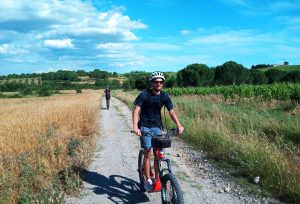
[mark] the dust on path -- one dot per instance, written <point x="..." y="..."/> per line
<point x="112" y="176"/>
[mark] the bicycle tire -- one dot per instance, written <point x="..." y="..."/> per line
<point x="177" y="195"/>
<point x="140" y="167"/>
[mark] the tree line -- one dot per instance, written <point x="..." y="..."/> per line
<point x="62" y="75"/>
<point x="193" y="75"/>
<point x="229" y="73"/>
<point x="45" y="84"/>
<point x="232" y="73"/>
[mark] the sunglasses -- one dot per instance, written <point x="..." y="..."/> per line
<point x="158" y="82"/>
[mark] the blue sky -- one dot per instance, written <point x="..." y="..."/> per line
<point x="166" y="35"/>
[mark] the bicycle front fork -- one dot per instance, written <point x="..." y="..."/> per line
<point x="164" y="166"/>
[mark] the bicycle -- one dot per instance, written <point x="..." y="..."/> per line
<point x="168" y="185"/>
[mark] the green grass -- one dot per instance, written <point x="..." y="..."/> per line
<point x="251" y="141"/>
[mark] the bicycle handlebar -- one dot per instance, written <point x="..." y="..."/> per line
<point x="174" y="132"/>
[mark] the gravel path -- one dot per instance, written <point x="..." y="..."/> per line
<point x="112" y="175"/>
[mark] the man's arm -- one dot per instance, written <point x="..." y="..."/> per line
<point x="176" y="121"/>
<point x="135" y="119"/>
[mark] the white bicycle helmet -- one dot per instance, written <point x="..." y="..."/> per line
<point x="156" y="75"/>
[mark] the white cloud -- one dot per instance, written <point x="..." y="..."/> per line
<point x="64" y="25"/>
<point x="67" y="18"/>
<point x="4" y="49"/>
<point x="114" y="47"/>
<point x="222" y="38"/>
<point x="185" y="32"/>
<point x="145" y="46"/>
<point x="60" y="44"/>
<point x="233" y="38"/>
<point x="10" y="49"/>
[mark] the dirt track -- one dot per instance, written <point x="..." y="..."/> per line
<point x="112" y="175"/>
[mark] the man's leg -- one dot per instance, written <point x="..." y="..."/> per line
<point x="146" y="144"/>
<point x="147" y="163"/>
<point x="156" y="153"/>
<point x="156" y="132"/>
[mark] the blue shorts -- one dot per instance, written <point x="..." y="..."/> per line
<point x="147" y="135"/>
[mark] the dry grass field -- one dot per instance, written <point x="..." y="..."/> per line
<point x="41" y="138"/>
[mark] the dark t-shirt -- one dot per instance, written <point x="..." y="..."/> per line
<point x="151" y="105"/>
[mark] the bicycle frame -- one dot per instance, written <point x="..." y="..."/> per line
<point x="167" y="183"/>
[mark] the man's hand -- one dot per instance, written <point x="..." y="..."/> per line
<point x="180" y="129"/>
<point x="137" y="131"/>
<point x="175" y="119"/>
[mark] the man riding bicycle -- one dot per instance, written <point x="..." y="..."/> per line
<point x="107" y="96"/>
<point x="148" y="123"/>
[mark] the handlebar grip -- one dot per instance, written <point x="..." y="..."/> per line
<point x="175" y="131"/>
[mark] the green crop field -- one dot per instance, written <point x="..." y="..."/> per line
<point x="283" y="91"/>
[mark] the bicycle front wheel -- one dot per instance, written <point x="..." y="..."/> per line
<point x="171" y="191"/>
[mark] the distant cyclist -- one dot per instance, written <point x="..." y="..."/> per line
<point x="148" y="123"/>
<point x="107" y="93"/>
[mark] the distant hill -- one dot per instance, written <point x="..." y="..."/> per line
<point x="287" y="68"/>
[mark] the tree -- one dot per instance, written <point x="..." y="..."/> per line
<point x="114" y="84"/>
<point x="102" y="83"/>
<point x="171" y="80"/>
<point x="195" y="75"/>
<point x="261" y="66"/>
<point x="141" y="83"/>
<point x="26" y="90"/>
<point x="231" y="73"/>
<point x="98" y="74"/>
<point x="81" y="73"/>
<point x="274" y="75"/>
<point x="293" y="76"/>
<point x="44" y="91"/>
<point x="138" y="80"/>
<point x="258" y="77"/>
<point x="126" y="85"/>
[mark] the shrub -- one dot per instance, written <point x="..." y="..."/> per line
<point x="26" y="91"/>
<point x="44" y="91"/>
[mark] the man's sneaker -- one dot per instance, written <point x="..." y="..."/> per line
<point x="148" y="185"/>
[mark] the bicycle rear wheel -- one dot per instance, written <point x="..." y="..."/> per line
<point x="141" y="169"/>
<point x="171" y="191"/>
